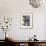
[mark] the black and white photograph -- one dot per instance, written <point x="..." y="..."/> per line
<point x="26" y="20"/>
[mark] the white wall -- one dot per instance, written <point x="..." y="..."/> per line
<point x="14" y="8"/>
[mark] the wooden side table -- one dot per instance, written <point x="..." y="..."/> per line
<point x="40" y="44"/>
<point x="21" y="44"/>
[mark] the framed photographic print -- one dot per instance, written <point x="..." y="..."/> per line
<point x="26" y="21"/>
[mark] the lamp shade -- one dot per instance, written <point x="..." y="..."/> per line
<point x="36" y="3"/>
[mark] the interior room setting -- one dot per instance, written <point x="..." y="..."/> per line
<point x="22" y="22"/>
